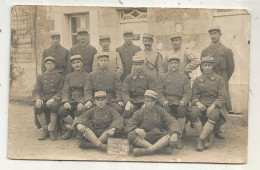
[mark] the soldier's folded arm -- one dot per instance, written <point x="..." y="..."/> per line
<point x="194" y="62"/>
<point x="230" y="63"/>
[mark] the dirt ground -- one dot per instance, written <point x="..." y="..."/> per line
<point x="23" y="144"/>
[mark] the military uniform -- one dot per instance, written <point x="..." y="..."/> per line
<point x="73" y="92"/>
<point x="208" y="90"/>
<point x="126" y="53"/>
<point x="156" y="123"/>
<point x="153" y="63"/>
<point x="174" y="87"/>
<point x="61" y="58"/>
<point x="48" y="85"/>
<point x="87" y="52"/>
<point x="104" y="80"/>
<point x="115" y="63"/>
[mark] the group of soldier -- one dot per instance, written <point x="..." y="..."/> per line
<point x="133" y="93"/>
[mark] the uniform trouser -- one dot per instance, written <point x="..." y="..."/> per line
<point x="196" y="114"/>
<point x="46" y="110"/>
<point x="132" y="136"/>
<point x="118" y="108"/>
<point x="73" y="112"/>
<point x="177" y="111"/>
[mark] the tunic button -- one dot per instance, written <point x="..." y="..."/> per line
<point x="52" y="84"/>
<point x="52" y="90"/>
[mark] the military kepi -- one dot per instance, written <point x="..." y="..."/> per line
<point x="174" y="58"/>
<point x="150" y="93"/>
<point x="176" y="35"/>
<point x="148" y="35"/>
<point x="75" y="57"/>
<point x="82" y="30"/>
<point x="49" y="58"/>
<point x="55" y="34"/>
<point x="138" y="59"/>
<point x="100" y="94"/>
<point x="214" y="28"/>
<point x="128" y="32"/>
<point x="104" y="37"/>
<point x="103" y="54"/>
<point x="207" y="59"/>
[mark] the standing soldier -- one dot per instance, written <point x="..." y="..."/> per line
<point x="189" y="59"/>
<point x="46" y="95"/>
<point x="223" y="64"/>
<point x="59" y="53"/>
<point x="73" y="94"/>
<point x="151" y="128"/>
<point x="208" y="103"/>
<point x="98" y="124"/>
<point x="175" y="93"/>
<point x="84" y="49"/>
<point x="104" y="80"/>
<point x="126" y="52"/>
<point x="153" y="59"/>
<point x="115" y="63"/>
<point x="135" y="86"/>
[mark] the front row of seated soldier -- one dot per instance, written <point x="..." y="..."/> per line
<point x="152" y="113"/>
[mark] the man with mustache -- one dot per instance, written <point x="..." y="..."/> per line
<point x="189" y="58"/>
<point x="223" y="64"/>
<point x="126" y="52"/>
<point x="58" y="52"/>
<point x="84" y="49"/>
<point x="73" y="94"/>
<point x="115" y="63"/>
<point x="153" y="59"/>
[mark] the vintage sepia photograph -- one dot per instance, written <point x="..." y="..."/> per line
<point x="129" y="84"/>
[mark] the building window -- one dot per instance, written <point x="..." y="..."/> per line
<point x="133" y="15"/>
<point x="77" y="21"/>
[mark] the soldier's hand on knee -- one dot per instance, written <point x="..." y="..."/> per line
<point x="88" y="104"/>
<point x="67" y="105"/>
<point x="38" y="103"/>
<point x="111" y="132"/>
<point x="181" y="103"/>
<point x="201" y="106"/>
<point x="173" y="140"/>
<point x="49" y="102"/>
<point x="81" y="128"/>
<point x="140" y="132"/>
<point x="128" y="106"/>
<point x="80" y="106"/>
<point x="165" y="104"/>
<point x="121" y="104"/>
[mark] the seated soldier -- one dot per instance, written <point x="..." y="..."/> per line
<point x="175" y="93"/>
<point x="208" y="100"/>
<point x="47" y="95"/>
<point x="73" y="94"/>
<point x="104" y="80"/>
<point x="152" y="128"/>
<point x="98" y="124"/>
<point x="134" y="88"/>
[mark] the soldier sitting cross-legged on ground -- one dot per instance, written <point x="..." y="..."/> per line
<point x="47" y="95"/>
<point x="98" y="124"/>
<point x="152" y="129"/>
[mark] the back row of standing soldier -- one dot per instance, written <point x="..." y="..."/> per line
<point x="120" y="66"/>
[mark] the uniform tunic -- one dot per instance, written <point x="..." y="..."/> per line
<point x="105" y="80"/>
<point x="61" y="58"/>
<point x="73" y="88"/>
<point x="115" y="63"/>
<point x="100" y="120"/>
<point x="223" y="64"/>
<point x="174" y="87"/>
<point x="135" y="86"/>
<point x="153" y="62"/>
<point x="87" y="53"/>
<point x="155" y="122"/>
<point x="126" y="53"/>
<point x="208" y="90"/>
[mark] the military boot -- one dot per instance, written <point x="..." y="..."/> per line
<point x="207" y="129"/>
<point x="85" y="144"/>
<point x="141" y="152"/>
<point x="200" y="145"/>
<point x="44" y="134"/>
<point x="142" y="143"/>
<point x="179" y="144"/>
<point x="52" y="127"/>
<point x="67" y="134"/>
<point x="53" y="136"/>
<point x="165" y="150"/>
<point x="102" y="147"/>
